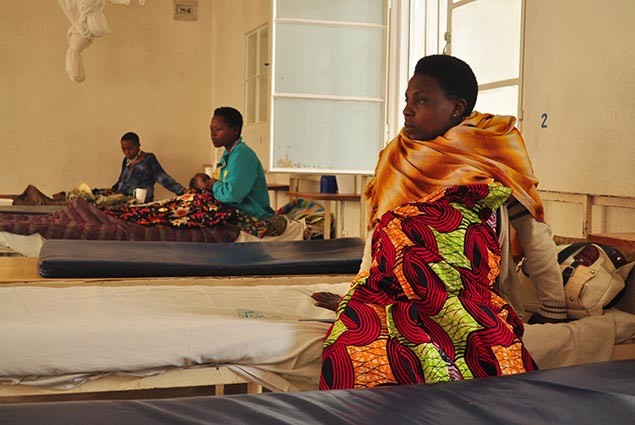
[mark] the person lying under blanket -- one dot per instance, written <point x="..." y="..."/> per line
<point x="34" y="196"/>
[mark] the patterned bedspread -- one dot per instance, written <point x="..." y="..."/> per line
<point x="82" y="220"/>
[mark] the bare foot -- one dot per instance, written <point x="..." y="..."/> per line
<point x="327" y="300"/>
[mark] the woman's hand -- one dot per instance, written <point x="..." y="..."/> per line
<point x="327" y="300"/>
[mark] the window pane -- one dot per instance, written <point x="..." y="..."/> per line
<point x="328" y="135"/>
<point x="264" y="50"/>
<point x="486" y="35"/>
<point x="500" y="101"/>
<point x="252" y="54"/>
<point x="263" y="97"/>
<point x="368" y="11"/>
<point x="329" y="60"/>
<point x="251" y="101"/>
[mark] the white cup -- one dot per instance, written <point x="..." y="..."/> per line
<point x="140" y="195"/>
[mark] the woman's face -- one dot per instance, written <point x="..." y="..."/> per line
<point x="221" y="133"/>
<point x="429" y="113"/>
<point x="130" y="149"/>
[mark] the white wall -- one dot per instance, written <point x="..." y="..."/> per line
<point x="232" y="20"/>
<point x="579" y="70"/>
<point x="163" y="78"/>
<point x="150" y="75"/>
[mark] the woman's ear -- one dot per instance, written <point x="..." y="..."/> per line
<point x="460" y="106"/>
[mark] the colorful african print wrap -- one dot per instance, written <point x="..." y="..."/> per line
<point x="483" y="148"/>
<point x="427" y="310"/>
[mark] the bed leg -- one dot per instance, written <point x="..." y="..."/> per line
<point x="219" y="389"/>
<point x="253" y="388"/>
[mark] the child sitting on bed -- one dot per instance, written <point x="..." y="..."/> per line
<point x="141" y="169"/>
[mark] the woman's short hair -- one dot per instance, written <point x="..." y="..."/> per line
<point x="454" y="76"/>
<point x="232" y="116"/>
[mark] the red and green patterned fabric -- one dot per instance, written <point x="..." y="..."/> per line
<point x="427" y="310"/>
<point x="195" y="209"/>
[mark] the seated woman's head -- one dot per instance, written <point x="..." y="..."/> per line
<point x="440" y="94"/>
<point x="225" y="127"/>
<point x="201" y="181"/>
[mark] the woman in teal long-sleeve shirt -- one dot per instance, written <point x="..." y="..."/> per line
<point x="241" y="180"/>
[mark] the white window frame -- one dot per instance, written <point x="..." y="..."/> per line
<point x="453" y="4"/>
<point x="262" y="67"/>
<point x="417" y="29"/>
<point x="274" y="94"/>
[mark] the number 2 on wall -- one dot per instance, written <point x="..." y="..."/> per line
<point x="543" y="124"/>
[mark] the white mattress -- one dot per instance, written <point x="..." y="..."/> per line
<point x="62" y="331"/>
<point x="62" y="336"/>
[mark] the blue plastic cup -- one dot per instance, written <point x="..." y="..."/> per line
<point x="328" y="184"/>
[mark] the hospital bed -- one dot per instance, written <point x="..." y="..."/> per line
<point x="80" y="220"/>
<point x="587" y="394"/>
<point x="108" y="338"/>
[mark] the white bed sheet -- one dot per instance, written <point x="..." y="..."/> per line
<point x="60" y="337"/>
<point x="49" y="332"/>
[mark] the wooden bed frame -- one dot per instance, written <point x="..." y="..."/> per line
<point x="129" y="386"/>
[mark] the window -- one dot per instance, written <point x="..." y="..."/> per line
<point x="328" y="85"/>
<point x="257" y="75"/>
<point x="417" y="29"/>
<point x="487" y="34"/>
<point x="340" y="70"/>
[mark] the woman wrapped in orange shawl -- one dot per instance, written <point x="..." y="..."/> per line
<point x="483" y="148"/>
<point x="425" y="307"/>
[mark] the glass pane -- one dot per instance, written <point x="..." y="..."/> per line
<point x="252" y="54"/>
<point x="368" y="11"/>
<point x="263" y="50"/>
<point x="329" y="60"/>
<point x="251" y="101"/>
<point x="486" y="35"/>
<point x="500" y="101"/>
<point x="263" y="97"/>
<point x="328" y="135"/>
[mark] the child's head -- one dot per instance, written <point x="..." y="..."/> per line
<point x="201" y="181"/>
<point x="130" y="145"/>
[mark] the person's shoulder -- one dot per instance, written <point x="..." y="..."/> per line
<point x="245" y="149"/>
<point x="150" y="157"/>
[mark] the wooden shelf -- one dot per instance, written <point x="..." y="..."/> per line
<point x="325" y="196"/>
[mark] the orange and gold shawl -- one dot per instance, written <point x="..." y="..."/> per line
<point x="484" y="148"/>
